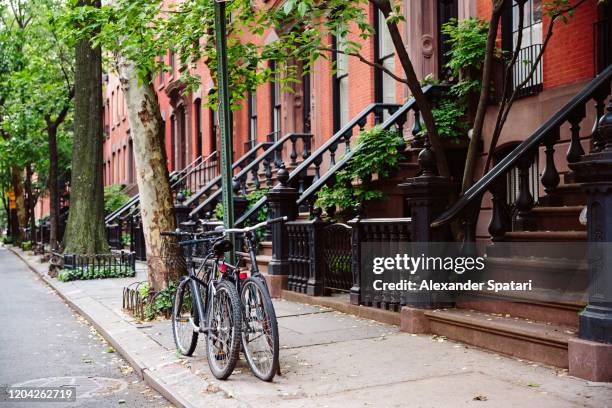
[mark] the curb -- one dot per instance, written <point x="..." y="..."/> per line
<point x="150" y="377"/>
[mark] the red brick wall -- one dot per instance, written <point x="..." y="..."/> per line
<point x="569" y="57"/>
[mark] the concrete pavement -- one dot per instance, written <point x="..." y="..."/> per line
<point x="330" y="359"/>
<point x="43" y="341"/>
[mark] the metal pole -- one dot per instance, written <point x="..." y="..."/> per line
<point x="224" y="119"/>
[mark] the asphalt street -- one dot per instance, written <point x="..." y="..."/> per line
<point x="43" y="342"/>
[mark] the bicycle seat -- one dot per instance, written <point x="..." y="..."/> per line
<point x="221" y="247"/>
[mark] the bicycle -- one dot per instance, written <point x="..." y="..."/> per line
<point x="254" y="323"/>
<point x="207" y="302"/>
<point x="260" y="340"/>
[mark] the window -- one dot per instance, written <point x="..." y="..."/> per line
<point x="213" y="130"/>
<point x="112" y="109"/>
<point x="197" y="107"/>
<point x="531" y="45"/>
<point x="275" y="102"/>
<point x="340" y="84"/>
<point x="161" y="71"/>
<point x="173" y="141"/>
<point x="131" y="163"/>
<point x="252" y="118"/>
<point x="114" y="169"/>
<point x="385" y="56"/>
<point x="171" y="59"/>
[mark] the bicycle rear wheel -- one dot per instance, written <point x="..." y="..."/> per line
<point x="260" y="331"/>
<point x="224" y="323"/>
<point x="185" y="319"/>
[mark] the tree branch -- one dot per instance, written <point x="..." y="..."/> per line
<point x="504" y="110"/>
<point x="367" y="62"/>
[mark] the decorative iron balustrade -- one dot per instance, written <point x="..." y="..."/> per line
<point x="546" y="137"/>
<point x="522" y="69"/>
<point x="390" y="232"/>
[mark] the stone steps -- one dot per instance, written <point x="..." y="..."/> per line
<point x="543" y="342"/>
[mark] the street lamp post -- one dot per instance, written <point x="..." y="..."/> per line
<point x="224" y="118"/>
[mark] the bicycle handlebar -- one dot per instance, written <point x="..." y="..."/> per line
<point x="245" y="229"/>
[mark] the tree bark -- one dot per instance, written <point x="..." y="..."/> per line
<point x="53" y="188"/>
<point x="30" y="201"/>
<point x="156" y="200"/>
<point x="19" y="214"/>
<point x="483" y="102"/>
<point x="85" y="231"/>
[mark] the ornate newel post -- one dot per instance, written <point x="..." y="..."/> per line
<point x="426" y="197"/>
<point x="590" y="355"/>
<point x="240" y="201"/>
<point x="181" y="210"/>
<point x="282" y="203"/>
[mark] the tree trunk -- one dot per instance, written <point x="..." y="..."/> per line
<point x="53" y="188"/>
<point x="20" y="218"/>
<point x="30" y="202"/>
<point x="483" y="102"/>
<point x="156" y="201"/>
<point x="85" y="231"/>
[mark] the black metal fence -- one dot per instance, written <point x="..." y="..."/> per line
<point x="337" y="257"/>
<point x="120" y="261"/>
<point x="523" y="67"/>
<point x="388" y="232"/>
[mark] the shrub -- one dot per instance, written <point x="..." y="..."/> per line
<point x="114" y="198"/>
<point x="95" y="272"/>
<point x="26" y="245"/>
<point x="376" y="153"/>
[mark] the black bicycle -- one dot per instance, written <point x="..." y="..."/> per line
<point x="211" y="290"/>
<point x="260" y="341"/>
<point x="206" y="301"/>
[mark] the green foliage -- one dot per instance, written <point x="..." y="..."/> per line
<point x="252" y="198"/>
<point x="114" y="198"/>
<point x="126" y="239"/>
<point x="467" y="40"/>
<point x="95" y="272"/>
<point x="26" y="245"/>
<point x="148" y="28"/>
<point x="7" y="240"/>
<point x="376" y="152"/>
<point x="449" y="116"/>
<point x="161" y="303"/>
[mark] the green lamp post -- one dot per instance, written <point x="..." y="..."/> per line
<point x="224" y="118"/>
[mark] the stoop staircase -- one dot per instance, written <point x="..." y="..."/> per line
<point x="537" y="326"/>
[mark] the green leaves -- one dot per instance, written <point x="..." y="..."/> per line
<point x="114" y="198"/>
<point x="376" y="152"/>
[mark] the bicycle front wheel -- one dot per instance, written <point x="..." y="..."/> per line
<point x="260" y="331"/>
<point x="185" y="320"/>
<point x="224" y="325"/>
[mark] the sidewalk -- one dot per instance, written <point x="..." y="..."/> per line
<point x="328" y="359"/>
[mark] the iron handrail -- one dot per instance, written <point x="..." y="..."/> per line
<point x="335" y="139"/>
<point x="245" y="171"/>
<point x="391" y="120"/>
<point x="182" y="174"/>
<point x="527" y="145"/>
<point x="215" y="181"/>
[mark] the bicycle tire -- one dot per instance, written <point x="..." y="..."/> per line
<point x="259" y="316"/>
<point x="223" y="316"/>
<point x="185" y="344"/>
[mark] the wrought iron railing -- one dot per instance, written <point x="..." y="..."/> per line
<point x="547" y="136"/>
<point x="522" y="70"/>
<point x="269" y="159"/>
<point x="382" y="232"/>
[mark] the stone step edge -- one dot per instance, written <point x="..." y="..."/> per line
<point x="497" y="328"/>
